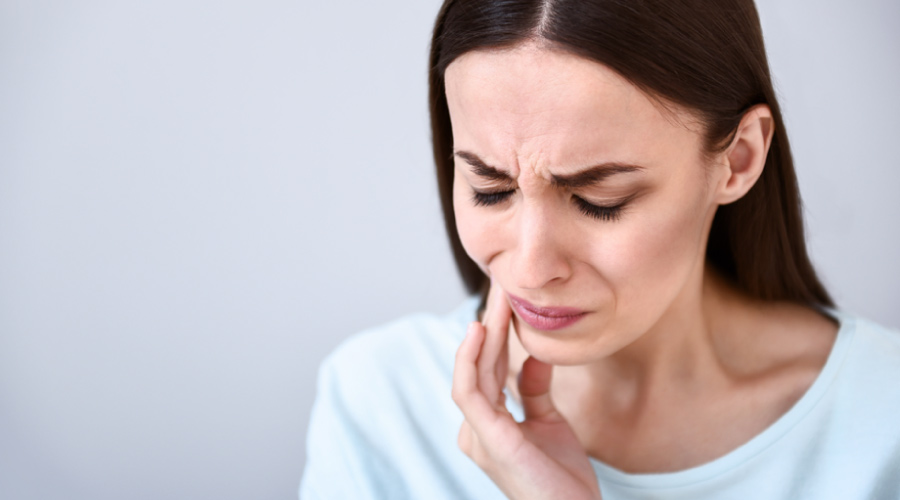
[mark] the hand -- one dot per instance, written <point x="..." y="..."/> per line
<point x="539" y="458"/>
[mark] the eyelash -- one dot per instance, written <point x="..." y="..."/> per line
<point x="588" y="209"/>
<point x="598" y="212"/>
<point x="488" y="199"/>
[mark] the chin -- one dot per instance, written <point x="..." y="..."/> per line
<point x="577" y="345"/>
<point x="555" y="348"/>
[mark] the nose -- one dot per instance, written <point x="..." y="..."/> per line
<point x="539" y="257"/>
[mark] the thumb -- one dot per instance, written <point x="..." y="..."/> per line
<point x="534" y="389"/>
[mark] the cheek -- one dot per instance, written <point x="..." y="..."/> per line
<point x="653" y="258"/>
<point x="474" y="229"/>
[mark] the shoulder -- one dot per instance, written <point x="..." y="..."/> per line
<point x="861" y="377"/>
<point x="400" y="371"/>
<point x="383" y="424"/>
<point x="873" y="350"/>
<point x="418" y="343"/>
<point x="856" y="416"/>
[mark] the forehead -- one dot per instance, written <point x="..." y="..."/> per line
<point x="546" y="103"/>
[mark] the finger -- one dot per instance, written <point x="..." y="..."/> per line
<point x="534" y="389"/>
<point x="465" y="439"/>
<point x="492" y="375"/>
<point x="466" y="357"/>
<point x="501" y="372"/>
<point x="498" y="313"/>
<point x="478" y="410"/>
<point x="493" y="361"/>
<point x="495" y="321"/>
<point x="503" y="316"/>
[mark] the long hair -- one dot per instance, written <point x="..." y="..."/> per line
<point x="705" y="55"/>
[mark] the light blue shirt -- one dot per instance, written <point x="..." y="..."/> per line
<point x="384" y="427"/>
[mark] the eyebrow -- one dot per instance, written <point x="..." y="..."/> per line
<point x="587" y="177"/>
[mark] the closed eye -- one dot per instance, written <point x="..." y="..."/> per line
<point x="488" y="199"/>
<point x="604" y="213"/>
<point x="599" y="212"/>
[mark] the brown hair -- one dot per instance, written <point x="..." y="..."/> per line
<point x="705" y="55"/>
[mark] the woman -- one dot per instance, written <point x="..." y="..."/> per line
<point x="618" y="185"/>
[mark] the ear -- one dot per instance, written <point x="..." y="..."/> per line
<point x="746" y="156"/>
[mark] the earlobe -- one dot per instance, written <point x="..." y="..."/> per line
<point x="745" y="158"/>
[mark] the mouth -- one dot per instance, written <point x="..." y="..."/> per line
<point x="545" y="318"/>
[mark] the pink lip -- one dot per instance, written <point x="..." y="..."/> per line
<point x="545" y="318"/>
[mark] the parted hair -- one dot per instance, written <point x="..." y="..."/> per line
<point x="706" y="56"/>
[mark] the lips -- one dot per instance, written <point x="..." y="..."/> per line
<point x="545" y="318"/>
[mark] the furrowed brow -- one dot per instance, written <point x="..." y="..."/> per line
<point x="593" y="175"/>
<point x="483" y="169"/>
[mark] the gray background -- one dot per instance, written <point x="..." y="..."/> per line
<point x="199" y="200"/>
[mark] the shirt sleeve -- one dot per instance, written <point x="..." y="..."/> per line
<point x="341" y="458"/>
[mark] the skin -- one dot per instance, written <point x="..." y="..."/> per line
<point x="671" y="366"/>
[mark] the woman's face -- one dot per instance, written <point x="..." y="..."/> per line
<point x="573" y="189"/>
